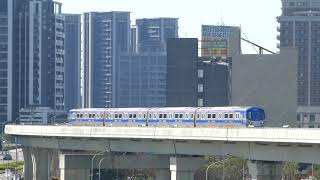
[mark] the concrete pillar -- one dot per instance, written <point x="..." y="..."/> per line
<point x="162" y="174"/>
<point x="265" y="170"/>
<point x="28" y="172"/>
<point x="67" y="173"/>
<point x="40" y="164"/>
<point x="183" y="168"/>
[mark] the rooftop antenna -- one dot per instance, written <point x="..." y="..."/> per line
<point x="221" y="20"/>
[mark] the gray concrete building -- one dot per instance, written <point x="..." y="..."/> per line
<point x="268" y="81"/>
<point x="142" y="80"/>
<point x="105" y="35"/>
<point x="72" y="61"/>
<point x="152" y="34"/>
<point x="31" y="56"/>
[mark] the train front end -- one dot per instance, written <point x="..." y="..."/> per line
<point x="255" y="116"/>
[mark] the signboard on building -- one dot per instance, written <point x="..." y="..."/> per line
<point x="215" y="41"/>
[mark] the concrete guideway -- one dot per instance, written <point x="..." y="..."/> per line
<point x="279" y="135"/>
<point x="266" y="148"/>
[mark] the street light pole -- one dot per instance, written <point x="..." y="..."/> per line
<point x="99" y="153"/>
<point x="100" y="166"/>
<point x="214" y="163"/>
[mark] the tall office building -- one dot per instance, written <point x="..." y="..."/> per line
<point x="105" y="35"/>
<point x="152" y="34"/>
<point x="31" y="56"/>
<point x="299" y="28"/>
<point x="72" y="61"/>
<point x="142" y="80"/>
<point x="220" y="41"/>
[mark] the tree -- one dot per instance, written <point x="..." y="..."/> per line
<point x="231" y="169"/>
<point x="290" y="170"/>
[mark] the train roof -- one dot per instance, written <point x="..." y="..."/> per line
<point x="172" y="109"/>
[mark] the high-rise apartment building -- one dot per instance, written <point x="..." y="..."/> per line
<point x="31" y="56"/>
<point x="72" y="61"/>
<point x="142" y="80"/>
<point x="152" y="34"/>
<point x="105" y="35"/>
<point x="299" y="28"/>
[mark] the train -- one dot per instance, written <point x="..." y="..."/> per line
<point x="248" y="116"/>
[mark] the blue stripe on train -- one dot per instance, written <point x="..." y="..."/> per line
<point x="156" y="121"/>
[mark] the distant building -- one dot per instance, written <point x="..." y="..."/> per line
<point x="31" y="56"/>
<point x="299" y="28"/>
<point x="141" y="80"/>
<point x="72" y="61"/>
<point x="268" y="81"/>
<point x="41" y="115"/>
<point x="220" y="41"/>
<point x="105" y="35"/>
<point x="152" y="34"/>
<point x="182" y="58"/>
<point x="194" y="81"/>
<point x="308" y="117"/>
<point x="214" y="82"/>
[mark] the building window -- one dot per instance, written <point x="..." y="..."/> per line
<point x="298" y="117"/>
<point x="200" y="88"/>
<point x="200" y="102"/>
<point x="311" y="126"/>
<point x="200" y="73"/>
<point x="312" y="118"/>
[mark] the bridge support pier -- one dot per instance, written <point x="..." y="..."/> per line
<point x="41" y="164"/>
<point x="265" y="170"/>
<point x="162" y="174"/>
<point x="28" y="172"/>
<point x="67" y="173"/>
<point x="183" y="168"/>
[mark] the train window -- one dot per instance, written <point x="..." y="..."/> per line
<point x="144" y="116"/>
<point x="154" y="116"/>
<point x="93" y="115"/>
<point x="165" y="116"/>
<point x="78" y="115"/>
<point x="116" y="116"/>
<point x="150" y="116"/>
<point x="226" y="116"/>
<point x="134" y="115"/>
<point x="130" y="116"/>
<point x="160" y="116"/>
<point x="120" y="115"/>
<point x="230" y="115"/>
<point x="203" y="116"/>
<point x="81" y="115"/>
<point x="213" y="115"/>
<point x="198" y="115"/>
<point x="89" y="115"/>
<point x="191" y="116"/>
<point x="209" y="116"/>
<point x="176" y="116"/>
<point x="180" y="116"/>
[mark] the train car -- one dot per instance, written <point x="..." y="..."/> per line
<point x="230" y="117"/>
<point x="126" y="117"/>
<point x="87" y="117"/>
<point x="169" y="117"/>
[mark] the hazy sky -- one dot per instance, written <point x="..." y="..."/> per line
<point x="257" y="18"/>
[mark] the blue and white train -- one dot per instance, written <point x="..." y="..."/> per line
<point x="169" y="117"/>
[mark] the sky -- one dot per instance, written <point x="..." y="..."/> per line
<point x="257" y="18"/>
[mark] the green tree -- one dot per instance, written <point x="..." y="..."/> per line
<point x="290" y="170"/>
<point x="231" y="169"/>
